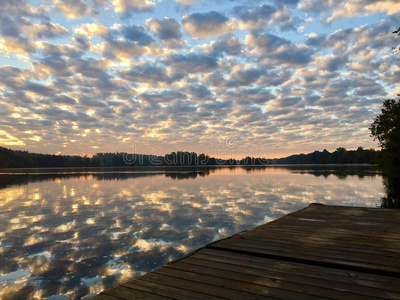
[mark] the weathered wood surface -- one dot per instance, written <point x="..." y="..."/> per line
<point x="318" y="252"/>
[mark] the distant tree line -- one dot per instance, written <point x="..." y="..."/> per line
<point x="339" y="156"/>
<point x="23" y="159"/>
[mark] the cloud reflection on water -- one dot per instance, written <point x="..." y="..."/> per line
<point x="75" y="235"/>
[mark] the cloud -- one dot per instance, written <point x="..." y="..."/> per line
<point x="167" y="95"/>
<point x="13" y="38"/>
<point x="127" y="41"/>
<point x="152" y="73"/>
<point x="82" y="43"/>
<point x="361" y="7"/>
<point x="365" y="86"/>
<point x="255" y="95"/>
<point x="332" y="62"/>
<point x="349" y="8"/>
<point x="89" y="30"/>
<point x="202" y="25"/>
<point x="48" y="30"/>
<point x="193" y="63"/>
<point x="199" y="91"/>
<point x="136" y="34"/>
<point x="287" y="101"/>
<point x="23" y="8"/>
<point x="316" y="6"/>
<point x="246" y="76"/>
<point x="287" y="2"/>
<point x="391" y="75"/>
<point x="73" y="9"/>
<point x="88" y="67"/>
<point x="63" y="99"/>
<point x="284" y="20"/>
<point x="53" y="65"/>
<point x="186" y="3"/>
<point x="8" y="27"/>
<point x="165" y="28"/>
<point x="229" y="45"/>
<point x="55" y="113"/>
<point x="133" y="6"/>
<point x="254" y="18"/>
<point x="315" y="40"/>
<point x="17" y="45"/>
<point x="263" y="16"/>
<point x="276" y="50"/>
<point x="12" y="76"/>
<point x="356" y="40"/>
<point x="38" y="88"/>
<point x="168" y="30"/>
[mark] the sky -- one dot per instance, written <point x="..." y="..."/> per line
<point x="221" y="77"/>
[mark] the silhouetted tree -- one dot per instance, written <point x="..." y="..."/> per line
<point x="386" y="129"/>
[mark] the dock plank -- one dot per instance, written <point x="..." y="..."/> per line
<point x="329" y="239"/>
<point x="122" y="292"/>
<point x="106" y="297"/>
<point x="320" y="243"/>
<point x="281" y="268"/>
<point x="262" y="283"/>
<point x="160" y="288"/>
<point x="375" y="261"/>
<point x="318" y="252"/>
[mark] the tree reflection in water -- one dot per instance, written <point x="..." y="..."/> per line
<point x="391" y="181"/>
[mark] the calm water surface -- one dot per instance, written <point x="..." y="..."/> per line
<point x="72" y="235"/>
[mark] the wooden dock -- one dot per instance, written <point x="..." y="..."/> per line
<point x="318" y="252"/>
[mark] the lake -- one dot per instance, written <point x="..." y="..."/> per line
<point x="69" y="234"/>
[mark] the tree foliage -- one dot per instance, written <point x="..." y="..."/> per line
<point x="385" y="127"/>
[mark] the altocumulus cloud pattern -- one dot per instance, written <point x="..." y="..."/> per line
<point x="81" y="76"/>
